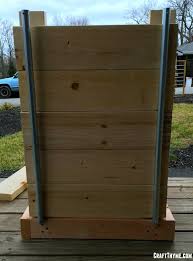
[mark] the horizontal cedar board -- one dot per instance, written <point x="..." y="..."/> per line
<point x="118" y="167"/>
<point x="105" y="201"/>
<point x="92" y="90"/>
<point x="92" y="47"/>
<point x="127" y="130"/>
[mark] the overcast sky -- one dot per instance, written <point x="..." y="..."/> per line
<point x="97" y="11"/>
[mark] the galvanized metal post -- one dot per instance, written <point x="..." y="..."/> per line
<point x="32" y="112"/>
<point x="160" y="114"/>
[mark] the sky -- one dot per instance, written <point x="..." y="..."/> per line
<point x="97" y="11"/>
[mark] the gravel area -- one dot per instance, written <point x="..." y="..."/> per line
<point x="6" y="173"/>
<point x="10" y="121"/>
<point x="184" y="158"/>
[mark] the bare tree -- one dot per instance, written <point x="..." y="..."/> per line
<point x="59" y="19"/>
<point x="184" y="16"/>
<point x="81" y="20"/>
<point x="7" y="56"/>
<point x="140" y="13"/>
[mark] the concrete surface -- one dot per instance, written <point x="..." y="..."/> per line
<point x="14" y="101"/>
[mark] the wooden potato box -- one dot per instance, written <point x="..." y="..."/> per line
<point x="96" y="99"/>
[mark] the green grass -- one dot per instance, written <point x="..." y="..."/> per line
<point x="182" y="127"/>
<point x="11" y="152"/>
<point x="6" y="106"/>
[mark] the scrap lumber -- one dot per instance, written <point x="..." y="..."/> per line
<point x="11" y="187"/>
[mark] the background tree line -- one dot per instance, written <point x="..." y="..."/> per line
<point x="7" y="54"/>
<point x="138" y="15"/>
<point x="184" y="16"/>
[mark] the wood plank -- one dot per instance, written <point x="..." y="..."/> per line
<point x="170" y="90"/>
<point x="129" y="130"/>
<point x="11" y="187"/>
<point x="75" y="258"/>
<point x="10" y="222"/>
<point x="37" y="18"/>
<point x="141" y="229"/>
<point x="15" y="206"/>
<point x="181" y="205"/>
<point x="156" y="16"/>
<point x="92" y="47"/>
<point x="23" y="195"/>
<point x="184" y="222"/>
<point x="25" y="225"/>
<point x="11" y="244"/>
<point x="94" y="201"/>
<point x="180" y="192"/>
<point x="180" y="182"/>
<point x="118" y="167"/>
<point x="118" y="90"/>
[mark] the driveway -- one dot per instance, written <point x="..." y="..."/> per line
<point x="14" y="101"/>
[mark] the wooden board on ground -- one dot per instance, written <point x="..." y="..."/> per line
<point x="11" y="187"/>
<point x="141" y="229"/>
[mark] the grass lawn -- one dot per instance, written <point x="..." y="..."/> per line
<point x="182" y="126"/>
<point x="11" y="152"/>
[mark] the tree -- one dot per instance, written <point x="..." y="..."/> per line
<point x="184" y="17"/>
<point x="81" y="20"/>
<point x="140" y="13"/>
<point x="70" y="20"/>
<point x="7" y="56"/>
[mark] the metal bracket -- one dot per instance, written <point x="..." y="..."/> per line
<point x="160" y="114"/>
<point x="32" y="112"/>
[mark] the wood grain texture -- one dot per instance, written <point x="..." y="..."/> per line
<point x="156" y="17"/>
<point x="127" y="130"/>
<point x="170" y="83"/>
<point x="184" y="221"/>
<point x="183" y="206"/>
<point x="92" y="47"/>
<point x="99" y="201"/>
<point x="118" y="167"/>
<point x="74" y="258"/>
<point x="101" y="90"/>
<point x="25" y="225"/>
<point x="14" y="185"/>
<point x="180" y="192"/>
<point x="180" y="182"/>
<point x="12" y="245"/>
<point x="36" y="18"/>
<point x="141" y="229"/>
<point x="15" y="206"/>
<point x="9" y="222"/>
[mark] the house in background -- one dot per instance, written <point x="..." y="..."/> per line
<point x="184" y="69"/>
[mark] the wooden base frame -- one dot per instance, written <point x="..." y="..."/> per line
<point x="79" y="228"/>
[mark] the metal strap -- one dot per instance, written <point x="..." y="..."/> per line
<point x="160" y="114"/>
<point x="32" y="112"/>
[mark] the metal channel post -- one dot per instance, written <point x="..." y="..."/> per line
<point x="32" y="112"/>
<point x="160" y="114"/>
